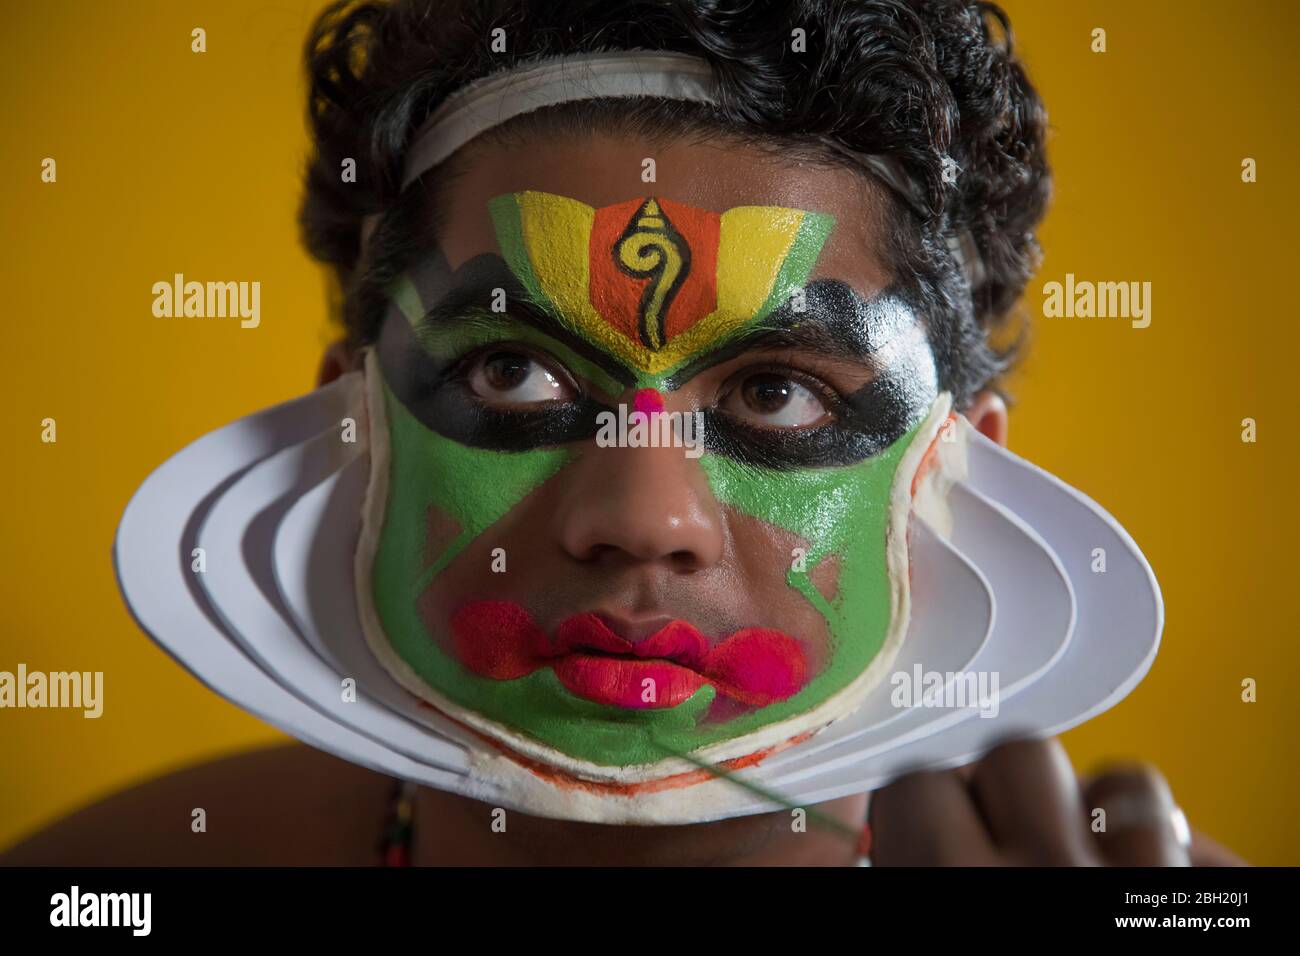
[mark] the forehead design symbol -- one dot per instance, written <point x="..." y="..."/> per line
<point x="653" y="255"/>
<point x="651" y="281"/>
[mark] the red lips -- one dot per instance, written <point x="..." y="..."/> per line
<point x="755" y="666"/>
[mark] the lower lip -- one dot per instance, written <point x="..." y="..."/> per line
<point x="627" y="682"/>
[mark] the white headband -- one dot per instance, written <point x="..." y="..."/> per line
<point x="499" y="98"/>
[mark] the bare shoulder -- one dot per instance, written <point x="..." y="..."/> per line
<point x="285" y="805"/>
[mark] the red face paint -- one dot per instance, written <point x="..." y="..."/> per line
<point x="648" y="402"/>
<point x="754" y="667"/>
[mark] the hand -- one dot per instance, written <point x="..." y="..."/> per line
<point x="1021" y="805"/>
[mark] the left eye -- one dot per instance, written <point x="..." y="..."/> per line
<point x="776" y="401"/>
<point x="513" y="378"/>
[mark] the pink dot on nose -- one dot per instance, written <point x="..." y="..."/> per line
<point x="648" y="401"/>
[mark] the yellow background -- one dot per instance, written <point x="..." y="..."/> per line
<point x="170" y="161"/>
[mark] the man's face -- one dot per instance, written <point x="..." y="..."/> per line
<point x="619" y="605"/>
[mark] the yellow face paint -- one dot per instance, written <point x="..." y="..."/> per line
<point x="653" y="282"/>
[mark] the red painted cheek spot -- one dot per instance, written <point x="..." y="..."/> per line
<point x="497" y="639"/>
<point x="758" y="666"/>
<point x="647" y="401"/>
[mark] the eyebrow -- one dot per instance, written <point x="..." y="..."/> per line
<point x="836" y="322"/>
<point x="466" y="299"/>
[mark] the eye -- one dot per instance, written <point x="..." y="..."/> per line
<point x="775" y="401"/>
<point x="508" y="377"/>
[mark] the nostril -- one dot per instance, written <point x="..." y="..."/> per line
<point x="684" y="561"/>
<point x="600" y="552"/>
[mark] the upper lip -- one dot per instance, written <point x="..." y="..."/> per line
<point x="632" y="629"/>
<point x="665" y="638"/>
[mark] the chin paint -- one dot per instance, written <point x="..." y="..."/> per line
<point x="636" y="299"/>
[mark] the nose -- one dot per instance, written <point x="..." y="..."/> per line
<point x="640" y="505"/>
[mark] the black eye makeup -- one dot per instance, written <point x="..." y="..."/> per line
<point x="503" y="395"/>
<point x="467" y="375"/>
<point x="836" y="328"/>
<point x="853" y="429"/>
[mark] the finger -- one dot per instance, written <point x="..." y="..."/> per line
<point x="928" y="819"/>
<point x="1138" y="822"/>
<point x="1027" y="792"/>
<point x="965" y="771"/>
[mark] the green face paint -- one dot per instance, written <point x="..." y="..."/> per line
<point x="628" y="285"/>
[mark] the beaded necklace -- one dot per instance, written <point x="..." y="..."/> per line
<point x="395" y="840"/>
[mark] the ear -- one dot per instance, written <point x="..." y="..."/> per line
<point x="337" y="360"/>
<point x="988" y="413"/>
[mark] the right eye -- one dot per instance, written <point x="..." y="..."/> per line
<point x="506" y="377"/>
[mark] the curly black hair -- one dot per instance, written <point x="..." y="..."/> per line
<point x="923" y="80"/>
